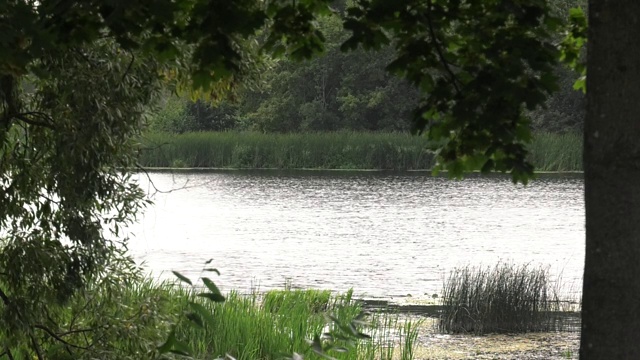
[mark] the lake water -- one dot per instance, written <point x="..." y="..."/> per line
<point x="386" y="235"/>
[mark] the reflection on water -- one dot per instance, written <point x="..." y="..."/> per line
<point x="384" y="234"/>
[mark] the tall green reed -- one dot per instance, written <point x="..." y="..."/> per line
<point x="343" y="150"/>
<point x="506" y="298"/>
<point x="279" y="323"/>
<point x="340" y="150"/>
<point x="556" y="152"/>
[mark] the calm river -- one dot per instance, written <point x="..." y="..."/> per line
<point x="383" y="234"/>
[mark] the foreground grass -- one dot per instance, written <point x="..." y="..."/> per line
<point x="343" y="150"/>
<point x="281" y="322"/>
<point x="130" y="320"/>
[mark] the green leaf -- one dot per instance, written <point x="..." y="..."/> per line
<point x="577" y="14"/>
<point x="180" y="348"/>
<point x="213" y="297"/>
<point x="195" y="319"/>
<point x="212" y="270"/>
<point x="211" y="285"/>
<point x="182" y="278"/>
<point x="487" y="167"/>
<point x="316" y="345"/>
<point x="168" y="344"/>
<point x="581" y="84"/>
<point x="203" y="313"/>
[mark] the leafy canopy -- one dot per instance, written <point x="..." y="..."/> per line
<point x="479" y="64"/>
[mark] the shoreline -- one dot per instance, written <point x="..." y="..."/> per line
<point x="316" y="170"/>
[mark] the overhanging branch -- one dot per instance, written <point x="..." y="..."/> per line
<point x="55" y="336"/>
<point x="28" y="118"/>
<point x="445" y="64"/>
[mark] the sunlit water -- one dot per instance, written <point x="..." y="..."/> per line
<point x="383" y="234"/>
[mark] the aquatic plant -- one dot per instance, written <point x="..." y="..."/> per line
<point x="506" y="298"/>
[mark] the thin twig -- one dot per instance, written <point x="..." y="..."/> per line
<point x="36" y="346"/>
<point x="75" y="316"/>
<point x="153" y="185"/>
<point x="133" y="57"/>
<point x="154" y="147"/>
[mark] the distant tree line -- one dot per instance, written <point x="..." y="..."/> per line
<point x="340" y="91"/>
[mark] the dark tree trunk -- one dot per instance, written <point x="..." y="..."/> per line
<point x="611" y="290"/>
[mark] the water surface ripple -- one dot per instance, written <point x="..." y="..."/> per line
<point x="383" y="234"/>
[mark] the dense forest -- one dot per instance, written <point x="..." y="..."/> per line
<point x="338" y="91"/>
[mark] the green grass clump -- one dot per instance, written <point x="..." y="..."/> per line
<point x="314" y="301"/>
<point x="280" y="323"/>
<point x="338" y="150"/>
<point x="504" y="299"/>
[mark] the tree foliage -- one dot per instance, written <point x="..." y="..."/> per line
<point x="350" y="91"/>
<point x="76" y="78"/>
<point x="462" y="57"/>
<point x="63" y="198"/>
<point x="335" y="91"/>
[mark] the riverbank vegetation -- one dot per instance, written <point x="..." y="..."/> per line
<point x="338" y="150"/>
<point x="129" y="319"/>
<point x="125" y="315"/>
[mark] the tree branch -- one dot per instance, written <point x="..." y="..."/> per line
<point x="36" y="346"/>
<point x="24" y="118"/>
<point x="4" y="297"/>
<point x="76" y="332"/>
<point x="432" y="33"/>
<point x="55" y="336"/>
<point x="8" y="353"/>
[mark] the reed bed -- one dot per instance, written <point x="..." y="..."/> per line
<point x="556" y="152"/>
<point x="341" y="150"/>
<point x="506" y="298"/>
<point x="344" y="150"/>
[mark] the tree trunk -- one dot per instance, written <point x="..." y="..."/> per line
<point x="611" y="289"/>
